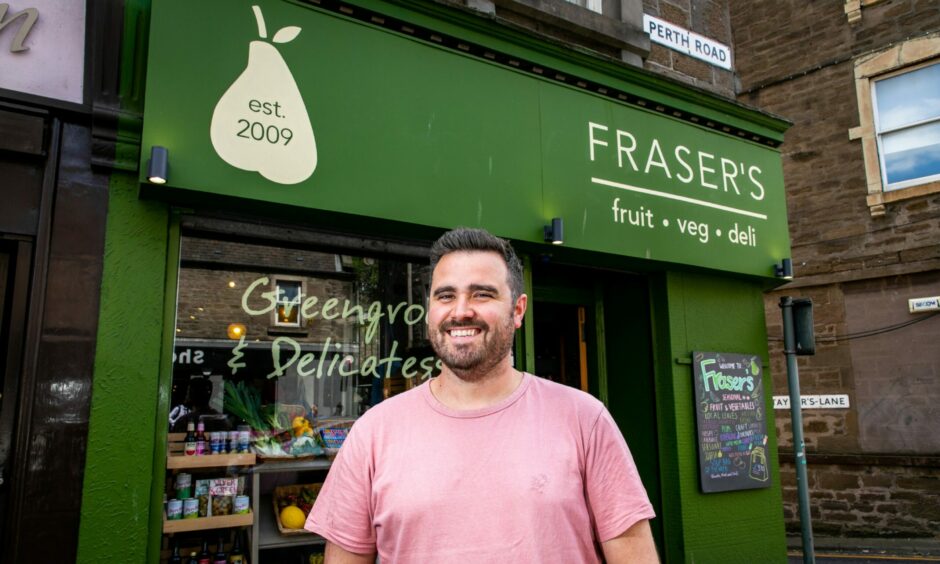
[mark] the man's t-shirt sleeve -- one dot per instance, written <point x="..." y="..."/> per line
<point x="615" y="493"/>
<point x="342" y="512"/>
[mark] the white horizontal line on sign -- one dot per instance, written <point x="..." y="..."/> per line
<point x="669" y="196"/>
<point x="833" y="401"/>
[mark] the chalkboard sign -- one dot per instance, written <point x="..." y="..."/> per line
<point x="732" y="427"/>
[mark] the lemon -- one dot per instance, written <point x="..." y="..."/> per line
<point x="292" y="517"/>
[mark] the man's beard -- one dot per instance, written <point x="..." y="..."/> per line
<point x="471" y="363"/>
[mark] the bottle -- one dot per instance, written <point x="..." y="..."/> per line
<point x="175" y="557"/>
<point x="220" y="556"/>
<point x="189" y="443"/>
<point x="236" y="556"/>
<point x="205" y="557"/>
<point x="201" y="438"/>
<point x="192" y="558"/>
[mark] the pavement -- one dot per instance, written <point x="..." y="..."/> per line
<point x="841" y="550"/>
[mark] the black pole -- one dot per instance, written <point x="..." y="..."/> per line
<point x="796" y="416"/>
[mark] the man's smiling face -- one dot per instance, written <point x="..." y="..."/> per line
<point x="472" y="317"/>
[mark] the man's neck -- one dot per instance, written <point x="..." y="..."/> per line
<point x="459" y="394"/>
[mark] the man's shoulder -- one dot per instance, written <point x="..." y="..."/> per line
<point x="565" y="397"/>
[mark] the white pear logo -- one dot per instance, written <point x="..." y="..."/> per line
<point x="261" y="122"/>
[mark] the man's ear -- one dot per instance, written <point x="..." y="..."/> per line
<point x="518" y="310"/>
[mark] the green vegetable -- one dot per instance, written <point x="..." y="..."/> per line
<point x="244" y="402"/>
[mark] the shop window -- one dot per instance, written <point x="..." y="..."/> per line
<point x="899" y="117"/>
<point x="364" y="339"/>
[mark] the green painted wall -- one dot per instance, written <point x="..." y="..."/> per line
<point x="694" y="311"/>
<point x="116" y="502"/>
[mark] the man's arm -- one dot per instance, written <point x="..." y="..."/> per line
<point x="635" y="545"/>
<point x="335" y="554"/>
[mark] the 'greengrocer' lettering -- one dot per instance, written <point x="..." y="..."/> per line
<point x="412" y="314"/>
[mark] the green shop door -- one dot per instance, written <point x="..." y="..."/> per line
<point x="592" y="331"/>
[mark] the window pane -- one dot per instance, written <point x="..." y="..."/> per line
<point x="288" y="292"/>
<point x="288" y="303"/>
<point x="912" y="153"/>
<point x="908" y="98"/>
<point x="593" y="5"/>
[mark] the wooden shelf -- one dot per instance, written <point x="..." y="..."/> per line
<point x="177" y="462"/>
<point x="291" y="465"/>
<point x="205" y="523"/>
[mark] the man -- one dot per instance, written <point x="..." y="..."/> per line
<point x="483" y="463"/>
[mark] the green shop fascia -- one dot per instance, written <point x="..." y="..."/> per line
<point x="365" y="129"/>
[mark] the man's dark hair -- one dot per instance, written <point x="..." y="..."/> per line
<point x="468" y="239"/>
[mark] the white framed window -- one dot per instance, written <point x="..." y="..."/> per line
<point x="593" y="5"/>
<point x="907" y="125"/>
<point x="898" y="92"/>
<point x="289" y="297"/>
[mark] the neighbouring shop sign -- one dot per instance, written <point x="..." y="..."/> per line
<point x="42" y="48"/>
<point x="731" y="422"/>
<point x="287" y="103"/>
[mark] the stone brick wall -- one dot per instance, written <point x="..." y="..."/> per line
<point x="874" y="469"/>
<point x="801" y="67"/>
<point x="207" y="305"/>
<point x="889" y="485"/>
<point x="706" y="17"/>
<point x="216" y="274"/>
<point x="830" y="371"/>
<point x="866" y="500"/>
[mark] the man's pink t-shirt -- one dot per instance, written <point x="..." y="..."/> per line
<point x="542" y="476"/>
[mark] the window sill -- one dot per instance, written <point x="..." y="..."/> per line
<point x="285" y="330"/>
<point x="878" y="200"/>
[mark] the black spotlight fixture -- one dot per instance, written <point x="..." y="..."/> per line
<point x="159" y="161"/>
<point x="784" y="269"/>
<point x="555" y="233"/>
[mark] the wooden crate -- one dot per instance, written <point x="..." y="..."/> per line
<point x="282" y="491"/>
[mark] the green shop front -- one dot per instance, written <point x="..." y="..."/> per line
<point x="266" y="268"/>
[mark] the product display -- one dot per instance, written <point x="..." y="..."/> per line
<point x="200" y="438"/>
<point x="175" y="558"/>
<point x="276" y="430"/>
<point x="189" y="443"/>
<point x="205" y="557"/>
<point x="202" y="493"/>
<point x="236" y="556"/>
<point x="242" y="503"/>
<point x="220" y="557"/>
<point x="291" y="506"/>
<point x="184" y="485"/>
<point x="190" y="508"/>
<point x="174" y="509"/>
